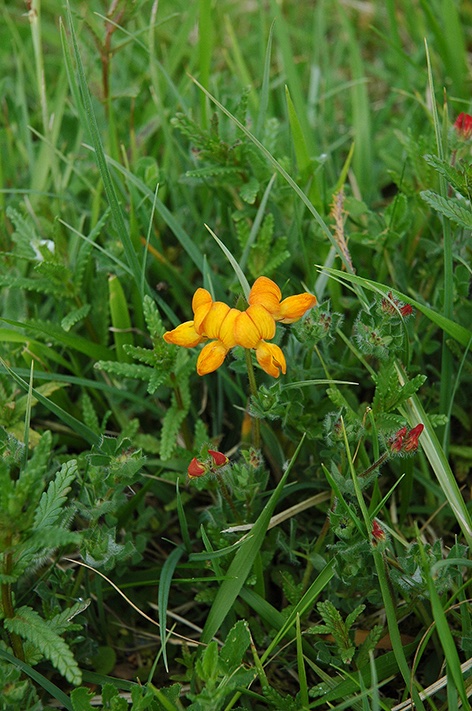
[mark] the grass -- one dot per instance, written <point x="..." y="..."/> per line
<point x="321" y="559"/>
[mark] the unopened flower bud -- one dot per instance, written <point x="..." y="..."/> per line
<point x="196" y="468"/>
<point x="463" y="125"/>
<point x="378" y="534"/>
<point x="219" y="458"/>
<point x="410" y="443"/>
<point x="405" y="441"/>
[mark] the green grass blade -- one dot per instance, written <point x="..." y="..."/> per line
<point x="461" y="334"/>
<point x="120" y="319"/>
<point x="45" y="683"/>
<point x="237" y="269"/>
<point x="78" y="427"/>
<point x="445" y="635"/>
<point x="296" y="188"/>
<point x="94" y="132"/>
<point x="394" y="632"/>
<point x="264" y="98"/>
<point x="438" y="461"/>
<point x="165" y="581"/>
<point x="243" y="561"/>
<point x="302" y="679"/>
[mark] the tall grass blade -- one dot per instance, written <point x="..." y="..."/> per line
<point x="165" y="582"/>
<point x="94" y="132"/>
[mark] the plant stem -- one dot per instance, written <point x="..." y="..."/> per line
<point x="227" y="496"/>
<point x="9" y="611"/>
<point x="256" y="426"/>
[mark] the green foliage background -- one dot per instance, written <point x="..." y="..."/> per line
<point x="315" y="140"/>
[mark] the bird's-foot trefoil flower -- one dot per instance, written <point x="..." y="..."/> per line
<point x="212" y="320"/>
<point x="266" y="293"/>
<point x="252" y="328"/>
<point x="226" y="327"/>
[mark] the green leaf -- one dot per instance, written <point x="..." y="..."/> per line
<point x="248" y="191"/>
<point x="28" y="624"/>
<point x="455" y="210"/>
<point x="92" y="126"/>
<point x="165" y="581"/>
<point x="50" y="507"/>
<point x="81" y="698"/>
<point x="243" y="561"/>
<point x="51" y="689"/>
<point x="236" y="643"/>
<point x="458" y="332"/>
<point x="75" y="316"/>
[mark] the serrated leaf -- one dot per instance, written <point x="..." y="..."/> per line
<point x="369" y="645"/>
<point x="28" y="624"/>
<point x="170" y="430"/>
<point x="235" y="646"/>
<point x="152" y="318"/>
<point x="60" y="622"/>
<point x="213" y="171"/>
<point x="455" y="210"/>
<point x="81" y="698"/>
<point x="75" y="316"/>
<point x="145" y="355"/>
<point x="459" y="179"/>
<point x="52" y="501"/>
<point x="248" y="191"/>
<point x="125" y="370"/>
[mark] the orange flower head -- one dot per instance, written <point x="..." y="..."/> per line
<point x="189" y="334"/>
<point x="218" y="325"/>
<point x="266" y="293"/>
<point x="251" y="329"/>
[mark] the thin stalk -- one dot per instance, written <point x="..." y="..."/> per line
<point x="227" y="496"/>
<point x="7" y="604"/>
<point x="256" y="425"/>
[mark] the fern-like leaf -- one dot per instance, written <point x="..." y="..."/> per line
<point x="174" y="417"/>
<point x="29" y="625"/>
<point x="75" y="316"/>
<point x="369" y="645"/>
<point x="63" y="620"/>
<point x="153" y="320"/>
<point x="125" y="370"/>
<point x="52" y="501"/>
<point x="455" y="210"/>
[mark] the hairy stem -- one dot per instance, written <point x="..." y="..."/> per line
<point x="256" y="425"/>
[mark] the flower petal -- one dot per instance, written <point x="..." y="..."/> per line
<point x="263" y="320"/>
<point x="246" y="332"/>
<point x="293" y="307"/>
<point x="211" y="357"/>
<point x="184" y="335"/>
<point x="201" y="304"/>
<point x="265" y="292"/>
<point x="213" y="321"/>
<point x="226" y="333"/>
<point x="271" y="359"/>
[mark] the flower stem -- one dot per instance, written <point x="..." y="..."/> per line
<point x="256" y="425"/>
<point x="9" y="611"/>
<point x="225" y="491"/>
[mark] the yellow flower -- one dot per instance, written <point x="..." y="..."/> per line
<point x="226" y="328"/>
<point x="251" y="329"/>
<point x="212" y="320"/>
<point x="190" y="334"/>
<point x="266" y="293"/>
<point x="217" y="325"/>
